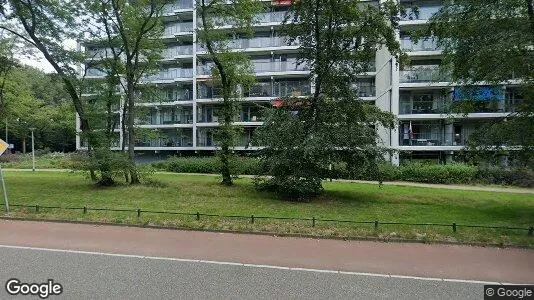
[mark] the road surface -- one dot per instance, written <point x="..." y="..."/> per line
<point x="110" y="262"/>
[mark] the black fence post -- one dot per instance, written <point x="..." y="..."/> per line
<point x="376" y="224"/>
<point x="453" y="227"/>
<point x="36" y="208"/>
<point x="252" y="219"/>
<point x="198" y="216"/>
<point x="84" y="210"/>
<point x="138" y="212"/>
<point x="531" y="231"/>
<point x="313" y="222"/>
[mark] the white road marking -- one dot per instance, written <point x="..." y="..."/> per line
<point x="248" y="265"/>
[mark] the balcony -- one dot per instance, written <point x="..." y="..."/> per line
<point x="99" y="53"/>
<point x="263" y="67"/>
<point x="431" y="139"/>
<point x="169" y="9"/>
<point x="424" y="103"/>
<point x="170" y="74"/>
<point x="420" y="11"/>
<point x="271" y="17"/>
<point x="95" y="73"/>
<point x="424" y="74"/>
<point x="428" y="44"/>
<point x="261" y="18"/>
<point x="293" y="88"/>
<point x="178" y="28"/>
<point x="173" y="52"/>
<point x="167" y="117"/>
<point x="255" y="43"/>
<point x="181" y="138"/>
<point x="207" y="114"/>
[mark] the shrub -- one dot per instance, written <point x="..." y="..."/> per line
<point x="291" y="188"/>
<point x="208" y="165"/>
<point x="517" y="177"/>
<point x="444" y="174"/>
<point x="7" y="157"/>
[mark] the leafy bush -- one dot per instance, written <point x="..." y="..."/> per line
<point x="291" y="187"/>
<point x="517" y="177"/>
<point x="444" y="174"/>
<point x="455" y="173"/>
<point x="208" y="165"/>
<point x="7" y="157"/>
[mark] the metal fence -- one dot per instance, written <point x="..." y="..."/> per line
<point x="251" y="218"/>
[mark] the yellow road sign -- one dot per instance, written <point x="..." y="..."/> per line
<point x="3" y="146"/>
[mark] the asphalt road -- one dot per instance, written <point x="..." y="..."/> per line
<point x="96" y="276"/>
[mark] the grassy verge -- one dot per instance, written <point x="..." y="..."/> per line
<point x="344" y="201"/>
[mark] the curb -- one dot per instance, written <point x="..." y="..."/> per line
<point x="274" y="234"/>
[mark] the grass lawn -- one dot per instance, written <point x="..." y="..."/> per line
<point x="345" y="201"/>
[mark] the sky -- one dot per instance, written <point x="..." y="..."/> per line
<point x="38" y="61"/>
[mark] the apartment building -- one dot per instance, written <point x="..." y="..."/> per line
<point x="419" y="94"/>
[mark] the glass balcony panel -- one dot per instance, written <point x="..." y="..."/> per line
<point x="292" y="88"/>
<point x="429" y="44"/>
<point x="178" y="28"/>
<point x="423" y="104"/>
<point x="420" y="12"/>
<point x="424" y="74"/>
<point x="95" y="72"/>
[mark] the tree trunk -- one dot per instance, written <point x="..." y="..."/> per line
<point x="226" y="138"/>
<point x="134" y="175"/>
<point x="24" y="146"/>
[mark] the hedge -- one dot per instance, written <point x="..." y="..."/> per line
<point x="455" y="173"/>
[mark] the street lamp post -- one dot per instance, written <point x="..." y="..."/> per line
<point x="33" y="149"/>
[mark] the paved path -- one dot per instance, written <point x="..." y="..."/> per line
<point x="421" y="260"/>
<point x="483" y="188"/>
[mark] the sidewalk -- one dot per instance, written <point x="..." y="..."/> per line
<point x="422" y="260"/>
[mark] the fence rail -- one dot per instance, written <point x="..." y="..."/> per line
<point x="314" y="220"/>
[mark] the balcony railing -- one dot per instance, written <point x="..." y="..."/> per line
<point x="170" y="74"/>
<point x="257" y="42"/>
<point x="420" y="12"/>
<point x="366" y="91"/>
<point x="167" y="120"/>
<point x="182" y="4"/>
<point x="429" y="44"/>
<point x="172" y="52"/>
<point x="261" y="18"/>
<point x="428" y="139"/>
<point x="95" y="73"/>
<point x="263" y="67"/>
<point x="271" y="17"/>
<point x="263" y="89"/>
<point x="178" y="28"/>
<point x="167" y="142"/>
<point x="424" y="74"/>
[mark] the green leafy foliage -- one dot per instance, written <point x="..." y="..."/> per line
<point x="491" y="41"/>
<point x="231" y="69"/>
<point x="303" y="138"/>
<point x="209" y="165"/>
<point x="40" y="103"/>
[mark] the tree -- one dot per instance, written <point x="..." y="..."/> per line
<point x="231" y="69"/>
<point x="491" y="41"/>
<point x="130" y="36"/>
<point x="45" y="26"/>
<point x="7" y="63"/>
<point x="305" y="136"/>
<point x="41" y="103"/>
